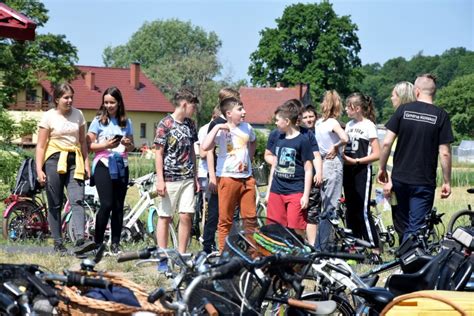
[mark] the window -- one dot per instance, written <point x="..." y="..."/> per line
<point x="30" y="95"/>
<point x="142" y="130"/>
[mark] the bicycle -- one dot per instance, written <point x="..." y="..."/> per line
<point x="133" y="228"/>
<point x="25" y="217"/>
<point x="462" y="218"/>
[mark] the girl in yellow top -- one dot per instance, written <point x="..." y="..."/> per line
<point x="62" y="161"/>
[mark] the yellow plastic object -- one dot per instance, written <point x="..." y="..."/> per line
<point x="430" y="303"/>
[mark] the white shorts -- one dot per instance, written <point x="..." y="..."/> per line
<point x="179" y="198"/>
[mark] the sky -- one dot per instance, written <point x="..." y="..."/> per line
<point x="386" y="28"/>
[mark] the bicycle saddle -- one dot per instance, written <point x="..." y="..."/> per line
<point x="423" y="279"/>
<point x="378" y="297"/>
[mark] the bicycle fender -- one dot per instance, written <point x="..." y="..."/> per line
<point x="149" y="225"/>
<point x="7" y="211"/>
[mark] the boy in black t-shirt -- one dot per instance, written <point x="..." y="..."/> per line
<point x="291" y="173"/>
<point x="423" y="131"/>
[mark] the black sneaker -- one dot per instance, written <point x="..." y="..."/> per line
<point x="115" y="249"/>
<point x="82" y="246"/>
<point x="60" y="249"/>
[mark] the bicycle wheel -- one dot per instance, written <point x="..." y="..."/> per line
<point x="25" y="220"/>
<point x="343" y="306"/>
<point x="153" y="221"/>
<point x="462" y="218"/>
<point x="89" y="224"/>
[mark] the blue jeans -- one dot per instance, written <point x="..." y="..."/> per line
<point x="414" y="203"/>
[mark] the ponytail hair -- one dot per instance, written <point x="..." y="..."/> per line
<point x="365" y="102"/>
<point x="331" y="107"/>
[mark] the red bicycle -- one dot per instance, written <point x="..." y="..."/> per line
<point x="25" y="217"/>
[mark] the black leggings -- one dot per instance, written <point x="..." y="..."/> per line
<point x="112" y="197"/>
<point x="357" y="188"/>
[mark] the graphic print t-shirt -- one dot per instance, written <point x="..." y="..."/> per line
<point x="178" y="140"/>
<point x="106" y="132"/>
<point x="275" y="135"/>
<point x="420" y="127"/>
<point x="289" y="172"/>
<point x="233" y="159"/>
<point x="360" y="134"/>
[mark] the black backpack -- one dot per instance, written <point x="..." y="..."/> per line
<point x="26" y="180"/>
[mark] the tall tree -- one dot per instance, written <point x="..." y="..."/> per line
<point x="457" y="99"/>
<point x="172" y="54"/>
<point x="310" y="44"/>
<point x="379" y="80"/>
<point x="24" y="63"/>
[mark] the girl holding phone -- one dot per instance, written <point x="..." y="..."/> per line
<point x="110" y="136"/>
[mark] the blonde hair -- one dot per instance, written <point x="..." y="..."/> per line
<point x="365" y="102"/>
<point x="405" y="92"/>
<point x="331" y="107"/>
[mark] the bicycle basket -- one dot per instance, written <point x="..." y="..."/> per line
<point x="249" y="240"/>
<point x="261" y="175"/>
<point x="74" y="303"/>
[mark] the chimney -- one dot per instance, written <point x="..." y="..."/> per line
<point x="300" y="91"/>
<point x="135" y="75"/>
<point x="90" y="80"/>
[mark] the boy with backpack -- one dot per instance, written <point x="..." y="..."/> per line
<point x="236" y="147"/>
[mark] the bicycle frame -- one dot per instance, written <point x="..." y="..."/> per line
<point x="146" y="202"/>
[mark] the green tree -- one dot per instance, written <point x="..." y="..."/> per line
<point x="310" y="44"/>
<point x="172" y="54"/>
<point x="379" y="80"/>
<point x="457" y="99"/>
<point x="24" y="63"/>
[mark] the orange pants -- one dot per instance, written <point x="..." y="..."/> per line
<point x="233" y="192"/>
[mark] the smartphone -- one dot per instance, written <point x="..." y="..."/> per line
<point x="118" y="137"/>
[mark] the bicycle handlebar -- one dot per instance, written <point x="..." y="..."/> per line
<point x="135" y="255"/>
<point x="76" y="279"/>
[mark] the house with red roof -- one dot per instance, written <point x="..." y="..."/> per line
<point x="261" y="103"/>
<point x="145" y="103"/>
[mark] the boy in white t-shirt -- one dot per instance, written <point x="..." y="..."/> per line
<point x="236" y="148"/>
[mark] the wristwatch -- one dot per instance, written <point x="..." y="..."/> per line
<point x="357" y="161"/>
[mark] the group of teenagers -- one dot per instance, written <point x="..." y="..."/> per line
<point x="313" y="162"/>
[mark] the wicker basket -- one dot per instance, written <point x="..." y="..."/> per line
<point x="76" y="304"/>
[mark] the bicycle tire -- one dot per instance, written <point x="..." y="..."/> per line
<point x="89" y="223"/>
<point x="171" y="236"/>
<point x="462" y="218"/>
<point x="19" y="216"/>
<point x="343" y="308"/>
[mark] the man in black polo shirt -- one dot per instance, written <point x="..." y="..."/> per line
<point x="423" y="131"/>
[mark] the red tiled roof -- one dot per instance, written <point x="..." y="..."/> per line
<point x="15" y="25"/>
<point x="147" y="98"/>
<point x="261" y="103"/>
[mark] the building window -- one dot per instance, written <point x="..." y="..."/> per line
<point x="142" y="130"/>
<point x="30" y="95"/>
